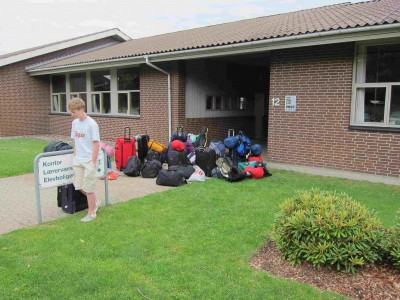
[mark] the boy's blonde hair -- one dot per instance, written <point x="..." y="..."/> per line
<point x="76" y="104"/>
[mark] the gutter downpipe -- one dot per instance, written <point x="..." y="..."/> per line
<point x="169" y="94"/>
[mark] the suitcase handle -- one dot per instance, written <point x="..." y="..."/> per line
<point x="231" y="132"/>
<point x="127" y="134"/>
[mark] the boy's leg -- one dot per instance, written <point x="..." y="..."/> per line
<point x="92" y="200"/>
<point x="79" y="172"/>
<point x="89" y="186"/>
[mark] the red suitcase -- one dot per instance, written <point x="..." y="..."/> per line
<point x="125" y="147"/>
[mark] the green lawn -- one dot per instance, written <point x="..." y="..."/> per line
<point x="17" y="155"/>
<point x="191" y="242"/>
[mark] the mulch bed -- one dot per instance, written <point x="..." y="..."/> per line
<point x="376" y="281"/>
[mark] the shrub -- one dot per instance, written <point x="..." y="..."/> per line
<point x="392" y="245"/>
<point x="327" y="229"/>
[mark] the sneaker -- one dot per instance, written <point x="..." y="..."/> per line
<point x="88" y="218"/>
<point x="97" y="206"/>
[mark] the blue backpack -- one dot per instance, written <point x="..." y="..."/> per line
<point x="256" y="149"/>
<point x="244" y="144"/>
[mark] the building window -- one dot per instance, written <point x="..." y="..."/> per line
<point x="376" y="90"/>
<point x="58" y="94"/>
<point x="128" y="91"/>
<point x="101" y="100"/>
<point x="209" y="102"/>
<point x="225" y="103"/>
<point x="101" y="103"/>
<point x="111" y="91"/>
<point x="77" y="86"/>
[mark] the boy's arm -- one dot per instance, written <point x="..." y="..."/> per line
<point x="96" y="148"/>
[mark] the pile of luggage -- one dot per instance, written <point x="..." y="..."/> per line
<point x="190" y="157"/>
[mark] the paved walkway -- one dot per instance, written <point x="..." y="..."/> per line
<point x="18" y="200"/>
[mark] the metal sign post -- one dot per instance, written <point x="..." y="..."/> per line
<point x="53" y="169"/>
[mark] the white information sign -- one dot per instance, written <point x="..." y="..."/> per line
<point x="57" y="170"/>
<point x="290" y="103"/>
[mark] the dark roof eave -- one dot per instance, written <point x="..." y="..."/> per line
<point x="253" y="42"/>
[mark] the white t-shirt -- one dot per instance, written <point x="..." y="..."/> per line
<point x="84" y="133"/>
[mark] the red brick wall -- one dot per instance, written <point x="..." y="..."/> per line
<point x="153" y="107"/>
<point x="154" y="111"/>
<point x="318" y="133"/>
<point x="25" y="100"/>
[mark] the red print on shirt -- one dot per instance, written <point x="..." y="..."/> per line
<point x="79" y="134"/>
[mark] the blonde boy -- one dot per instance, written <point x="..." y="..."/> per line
<point x="85" y="133"/>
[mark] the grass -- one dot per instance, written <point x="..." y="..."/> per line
<point x="191" y="242"/>
<point x="17" y="155"/>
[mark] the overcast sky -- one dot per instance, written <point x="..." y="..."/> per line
<point x="29" y="23"/>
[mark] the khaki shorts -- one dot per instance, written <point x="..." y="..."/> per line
<point x="85" y="176"/>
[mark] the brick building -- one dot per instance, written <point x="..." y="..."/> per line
<point x="320" y="86"/>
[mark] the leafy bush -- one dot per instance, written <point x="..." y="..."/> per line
<point x="391" y="246"/>
<point x="327" y="229"/>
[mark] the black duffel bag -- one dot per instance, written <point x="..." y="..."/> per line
<point x="170" y="178"/>
<point x="187" y="171"/>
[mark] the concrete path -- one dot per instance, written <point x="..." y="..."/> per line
<point x="18" y="200"/>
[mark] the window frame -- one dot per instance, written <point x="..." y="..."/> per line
<point x="89" y="95"/>
<point x="129" y="93"/>
<point x="58" y="95"/>
<point x="359" y="71"/>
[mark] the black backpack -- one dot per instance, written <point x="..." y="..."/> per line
<point x="151" y="168"/>
<point x="177" y="158"/>
<point x="151" y="155"/>
<point x="57" y="146"/>
<point x="133" y="166"/>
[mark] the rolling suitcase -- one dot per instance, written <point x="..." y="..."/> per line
<point x="125" y="147"/>
<point x="71" y="200"/>
<point x="205" y="159"/>
<point x="179" y="134"/>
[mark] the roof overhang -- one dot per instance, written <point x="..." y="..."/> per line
<point x="116" y="33"/>
<point x="369" y="33"/>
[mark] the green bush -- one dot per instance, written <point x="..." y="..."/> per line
<point x="327" y="229"/>
<point x="391" y="246"/>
